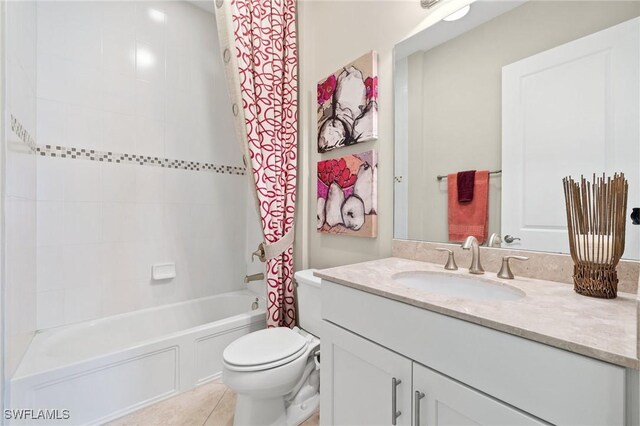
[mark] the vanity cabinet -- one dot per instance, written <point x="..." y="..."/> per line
<point x="365" y="379"/>
<point x="469" y="374"/>
<point x="371" y="385"/>
<point x="439" y="400"/>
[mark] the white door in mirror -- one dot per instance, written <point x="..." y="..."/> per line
<point x="572" y="110"/>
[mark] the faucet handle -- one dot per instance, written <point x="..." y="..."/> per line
<point x="505" y="270"/>
<point x="451" y="261"/>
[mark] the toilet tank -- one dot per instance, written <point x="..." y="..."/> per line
<point x="308" y="289"/>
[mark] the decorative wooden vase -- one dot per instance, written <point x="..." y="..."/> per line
<point x="596" y="221"/>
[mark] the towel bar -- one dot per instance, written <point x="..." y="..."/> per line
<point x="495" y="172"/>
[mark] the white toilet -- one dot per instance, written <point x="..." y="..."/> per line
<point x="275" y="372"/>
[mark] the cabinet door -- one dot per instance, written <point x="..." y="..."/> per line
<point x="439" y="400"/>
<point x="357" y="381"/>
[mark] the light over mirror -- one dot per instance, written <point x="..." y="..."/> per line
<point x="531" y="91"/>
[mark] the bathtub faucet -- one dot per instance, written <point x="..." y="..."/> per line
<point x="254" y="277"/>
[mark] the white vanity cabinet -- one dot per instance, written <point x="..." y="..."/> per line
<point x="469" y="374"/>
<point x="439" y="401"/>
<point x="370" y="385"/>
<point x="365" y="381"/>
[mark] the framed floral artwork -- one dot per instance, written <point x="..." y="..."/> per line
<point x="348" y="104"/>
<point x="348" y="196"/>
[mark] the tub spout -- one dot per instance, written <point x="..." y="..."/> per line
<point x="254" y="277"/>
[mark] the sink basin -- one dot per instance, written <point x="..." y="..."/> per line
<point x="458" y="286"/>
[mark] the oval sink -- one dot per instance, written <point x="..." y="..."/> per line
<point x="458" y="286"/>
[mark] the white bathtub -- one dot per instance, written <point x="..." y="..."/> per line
<point x="103" y="369"/>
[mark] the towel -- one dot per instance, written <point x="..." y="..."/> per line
<point x="466" y="181"/>
<point x="469" y="218"/>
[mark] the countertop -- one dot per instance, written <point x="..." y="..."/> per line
<point x="550" y="312"/>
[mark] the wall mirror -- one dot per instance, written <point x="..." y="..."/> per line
<point x="532" y="91"/>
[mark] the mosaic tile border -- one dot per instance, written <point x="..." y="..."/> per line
<point x="115" y="157"/>
<point x="142" y="160"/>
<point x="22" y="134"/>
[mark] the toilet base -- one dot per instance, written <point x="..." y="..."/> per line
<point x="259" y="411"/>
<point x="298" y="413"/>
<point x="251" y="411"/>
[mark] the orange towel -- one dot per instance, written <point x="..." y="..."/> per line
<point x="469" y="218"/>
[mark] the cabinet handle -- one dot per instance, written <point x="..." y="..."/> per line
<point x="416" y="402"/>
<point x="394" y="413"/>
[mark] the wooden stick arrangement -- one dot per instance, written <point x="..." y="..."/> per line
<point x="596" y="218"/>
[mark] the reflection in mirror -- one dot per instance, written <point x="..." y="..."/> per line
<point x="531" y="91"/>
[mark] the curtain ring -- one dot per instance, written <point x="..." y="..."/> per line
<point x="235" y="109"/>
<point x="219" y="3"/>
<point x="226" y="55"/>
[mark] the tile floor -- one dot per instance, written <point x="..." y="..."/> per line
<point x="207" y="405"/>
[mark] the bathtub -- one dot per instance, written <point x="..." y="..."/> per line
<point x="100" y="370"/>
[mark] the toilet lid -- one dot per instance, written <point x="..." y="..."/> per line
<point x="267" y="346"/>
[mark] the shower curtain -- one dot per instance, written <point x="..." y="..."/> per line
<point x="259" y="47"/>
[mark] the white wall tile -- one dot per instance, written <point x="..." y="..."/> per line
<point x="150" y="184"/>
<point x="85" y="85"/>
<point x="101" y="226"/>
<point x="51" y="268"/>
<point x="119" y="132"/>
<point x="119" y="93"/>
<point x="119" y="222"/>
<point x="51" y="40"/>
<point x="52" y="77"/>
<point x="19" y="185"/>
<point x="119" y="262"/>
<point x="151" y="21"/>
<point x="83" y="265"/>
<point x="84" y="44"/>
<point x="149" y="137"/>
<point x="52" y="123"/>
<point x="119" y="182"/>
<point x="150" y="225"/>
<point x="82" y="223"/>
<point x="82" y="180"/>
<point x="51" y="309"/>
<point x="119" y="54"/>
<point x="119" y="16"/>
<point x="50" y="223"/>
<point x="82" y="304"/>
<point x="150" y="62"/>
<point x="119" y="297"/>
<point x="150" y="100"/>
<point x="84" y="127"/>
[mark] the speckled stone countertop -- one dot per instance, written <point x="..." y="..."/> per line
<point x="550" y="313"/>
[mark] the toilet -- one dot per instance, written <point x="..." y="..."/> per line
<point x="275" y="372"/>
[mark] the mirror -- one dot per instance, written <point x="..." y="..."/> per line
<point x="531" y="91"/>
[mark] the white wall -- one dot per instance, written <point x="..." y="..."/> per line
<point x="333" y="33"/>
<point x="19" y="182"/>
<point x="136" y="78"/>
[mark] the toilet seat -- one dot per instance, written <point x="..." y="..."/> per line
<point x="265" y="349"/>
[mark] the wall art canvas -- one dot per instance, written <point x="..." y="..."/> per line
<point x="348" y="104"/>
<point x="348" y="195"/>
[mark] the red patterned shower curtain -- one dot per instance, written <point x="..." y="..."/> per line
<point x="266" y="60"/>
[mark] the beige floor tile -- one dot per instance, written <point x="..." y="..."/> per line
<point x="314" y="420"/>
<point x="212" y="404"/>
<point x="188" y="409"/>
<point x="222" y="415"/>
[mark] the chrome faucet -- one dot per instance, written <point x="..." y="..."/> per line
<point x="471" y="243"/>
